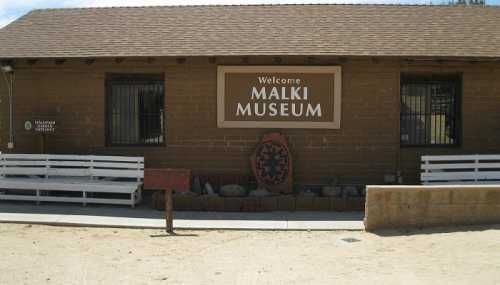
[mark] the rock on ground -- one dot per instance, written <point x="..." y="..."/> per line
<point x="232" y="190"/>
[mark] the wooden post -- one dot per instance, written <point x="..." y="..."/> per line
<point x="169" y="213"/>
<point x="167" y="180"/>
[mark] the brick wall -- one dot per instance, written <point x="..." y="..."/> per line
<point x="423" y="206"/>
<point x="363" y="150"/>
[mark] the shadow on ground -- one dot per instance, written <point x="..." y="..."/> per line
<point x="435" y="230"/>
<point x="173" y="235"/>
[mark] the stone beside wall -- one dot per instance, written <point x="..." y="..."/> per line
<point x="425" y="206"/>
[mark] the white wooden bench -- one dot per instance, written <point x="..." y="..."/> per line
<point x="79" y="178"/>
<point x="460" y="169"/>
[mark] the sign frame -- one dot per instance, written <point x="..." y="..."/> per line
<point x="336" y="70"/>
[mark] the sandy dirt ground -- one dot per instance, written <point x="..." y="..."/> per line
<point x="34" y="254"/>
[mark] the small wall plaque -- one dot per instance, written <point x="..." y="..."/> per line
<point x="45" y="126"/>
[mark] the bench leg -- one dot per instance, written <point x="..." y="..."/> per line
<point x="132" y="198"/>
<point x="37" y="197"/>
<point x="139" y="194"/>
<point x="84" y="199"/>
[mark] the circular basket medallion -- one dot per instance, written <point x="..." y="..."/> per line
<point x="272" y="163"/>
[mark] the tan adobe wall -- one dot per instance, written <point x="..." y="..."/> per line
<point x="423" y="206"/>
<point x="364" y="149"/>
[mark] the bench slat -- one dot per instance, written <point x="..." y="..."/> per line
<point x="68" y="172"/>
<point x="118" y="173"/>
<point x="72" y="157"/>
<point x="97" y="172"/>
<point x="117" y="158"/>
<point x="489" y="182"/>
<point x="471" y="157"/>
<point x="460" y="166"/>
<point x="126" y="165"/>
<point x="68" y="185"/>
<point x="23" y="171"/>
<point x="23" y="162"/>
<point x="46" y="171"/>
<point x="65" y="199"/>
<point x="460" y="175"/>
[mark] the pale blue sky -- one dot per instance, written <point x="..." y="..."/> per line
<point x="12" y="9"/>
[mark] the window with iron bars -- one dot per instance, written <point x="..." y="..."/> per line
<point x="430" y="110"/>
<point x="135" y="109"/>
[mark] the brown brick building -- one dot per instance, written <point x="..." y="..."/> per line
<point x="415" y="80"/>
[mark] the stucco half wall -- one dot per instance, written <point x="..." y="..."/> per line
<point x="423" y="206"/>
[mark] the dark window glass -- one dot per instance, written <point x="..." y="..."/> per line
<point x="134" y="109"/>
<point x="430" y="110"/>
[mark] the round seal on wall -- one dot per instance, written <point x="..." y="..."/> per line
<point x="28" y="125"/>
